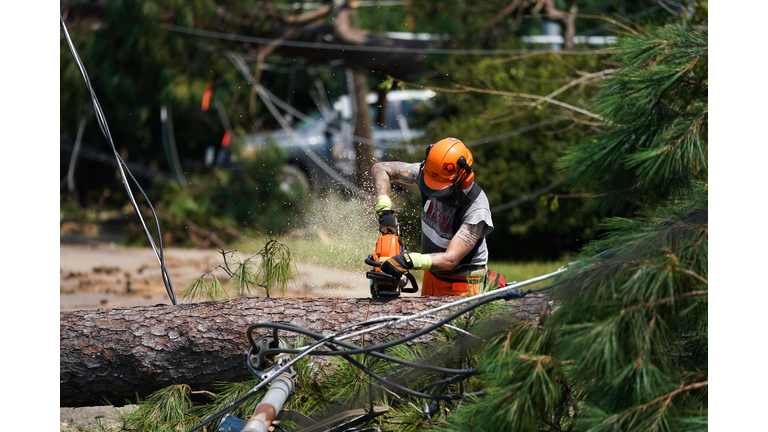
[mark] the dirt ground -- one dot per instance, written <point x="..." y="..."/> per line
<point x="103" y="275"/>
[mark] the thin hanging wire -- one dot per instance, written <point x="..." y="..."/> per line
<point x="123" y="168"/>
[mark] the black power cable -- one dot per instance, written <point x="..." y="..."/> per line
<point x="353" y="349"/>
<point x="329" y="341"/>
<point x="322" y="340"/>
<point x="384" y="381"/>
<point x="122" y="167"/>
<point x="406" y="390"/>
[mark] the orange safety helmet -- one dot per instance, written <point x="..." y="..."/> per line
<point x="447" y="164"/>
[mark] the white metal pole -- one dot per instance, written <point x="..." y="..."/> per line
<point x="266" y="411"/>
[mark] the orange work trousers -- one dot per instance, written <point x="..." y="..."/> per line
<point x="454" y="285"/>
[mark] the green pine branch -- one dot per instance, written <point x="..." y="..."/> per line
<point x="627" y="343"/>
<point x="273" y="271"/>
<point x="657" y="105"/>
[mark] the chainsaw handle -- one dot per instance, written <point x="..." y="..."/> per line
<point x="414" y="285"/>
<point x="372" y="262"/>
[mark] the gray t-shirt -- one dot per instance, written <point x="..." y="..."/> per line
<point x="437" y="227"/>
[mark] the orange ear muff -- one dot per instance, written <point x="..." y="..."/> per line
<point x="468" y="180"/>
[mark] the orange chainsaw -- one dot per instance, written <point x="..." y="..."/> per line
<point x="384" y="285"/>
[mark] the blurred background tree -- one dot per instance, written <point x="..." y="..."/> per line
<point x="145" y="56"/>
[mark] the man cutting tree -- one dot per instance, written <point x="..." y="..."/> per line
<point x="455" y="218"/>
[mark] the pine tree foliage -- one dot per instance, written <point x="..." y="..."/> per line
<point x="199" y="288"/>
<point x="638" y="316"/>
<point x="167" y="410"/>
<point x="626" y="347"/>
<point x="524" y="383"/>
<point x="276" y="267"/>
<point x="231" y="392"/>
<point x="657" y="110"/>
<point x="243" y="279"/>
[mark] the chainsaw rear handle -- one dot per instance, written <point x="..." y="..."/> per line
<point x="414" y="285"/>
<point x="372" y="262"/>
<point x="384" y="276"/>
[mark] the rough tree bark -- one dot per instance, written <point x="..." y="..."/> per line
<point x="118" y="353"/>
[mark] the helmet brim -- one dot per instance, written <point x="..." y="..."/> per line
<point x="433" y="189"/>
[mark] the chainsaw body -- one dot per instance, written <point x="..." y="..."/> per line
<point x="382" y="284"/>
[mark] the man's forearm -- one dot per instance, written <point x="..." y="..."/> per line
<point x="461" y="244"/>
<point x="386" y="172"/>
<point x="441" y="262"/>
<point x="381" y="179"/>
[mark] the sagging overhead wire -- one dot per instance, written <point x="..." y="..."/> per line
<point x="70" y="178"/>
<point x="530" y="196"/>
<point x="520" y="131"/>
<point x="342" y="47"/>
<point x="169" y="144"/>
<point x="125" y="174"/>
<point x="108" y="159"/>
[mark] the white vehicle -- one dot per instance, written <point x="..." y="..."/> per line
<point x="329" y="139"/>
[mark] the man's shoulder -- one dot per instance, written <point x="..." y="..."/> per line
<point x="481" y="200"/>
<point x="478" y="210"/>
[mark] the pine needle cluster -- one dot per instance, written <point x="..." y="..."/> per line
<point x="267" y="271"/>
<point x="656" y="111"/>
<point x="168" y="410"/>
<point x="626" y="347"/>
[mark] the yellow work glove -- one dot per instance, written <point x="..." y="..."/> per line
<point x="401" y="264"/>
<point x="387" y="221"/>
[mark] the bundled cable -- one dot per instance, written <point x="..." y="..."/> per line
<point x="125" y="174"/>
<point x="375" y="350"/>
<point x="330" y="342"/>
<point x="512" y="291"/>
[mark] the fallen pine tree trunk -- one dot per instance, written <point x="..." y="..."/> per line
<point x="116" y="354"/>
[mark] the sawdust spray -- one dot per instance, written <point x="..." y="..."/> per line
<point x="347" y="227"/>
